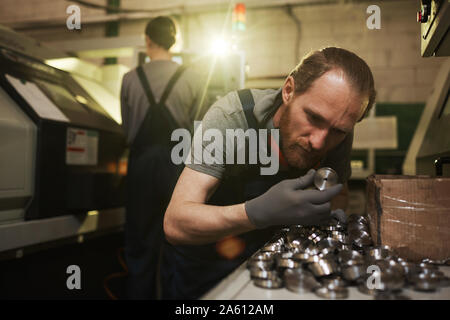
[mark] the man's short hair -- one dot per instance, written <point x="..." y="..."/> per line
<point x="162" y="31"/>
<point x="355" y="69"/>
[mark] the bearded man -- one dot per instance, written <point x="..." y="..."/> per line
<point x="220" y="214"/>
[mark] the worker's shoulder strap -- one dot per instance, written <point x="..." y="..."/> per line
<point x="145" y="85"/>
<point x="248" y="105"/>
<point x="155" y="109"/>
<point x="151" y="99"/>
<point x="171" y="83"/>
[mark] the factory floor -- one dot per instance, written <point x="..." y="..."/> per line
<point x="43" y="274"/>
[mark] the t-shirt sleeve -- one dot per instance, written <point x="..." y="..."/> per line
<point x="214" y="120"/>
<point x="339" y="159"/>
<point x="211" y="145"/>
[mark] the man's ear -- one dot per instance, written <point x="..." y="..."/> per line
<point x="288" y="90"/>
<point x="147" y="41"/>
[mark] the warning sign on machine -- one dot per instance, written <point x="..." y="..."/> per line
<point x="81" y="147"/>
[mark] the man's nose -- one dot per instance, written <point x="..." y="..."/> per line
<point x="318" y="138"/>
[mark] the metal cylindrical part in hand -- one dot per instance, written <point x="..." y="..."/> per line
<point x="325" y="178"/>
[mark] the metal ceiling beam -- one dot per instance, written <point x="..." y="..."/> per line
<point x="174" y="10"/>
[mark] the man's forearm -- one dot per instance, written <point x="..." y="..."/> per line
<point x="196" y="223"/>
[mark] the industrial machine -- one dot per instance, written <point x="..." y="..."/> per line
<point x="430" y="148"/>
<point x="434" y="17"/>
<point x="102" y="83"/>
<point x="60" y="149"/>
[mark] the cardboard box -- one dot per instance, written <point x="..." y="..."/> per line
<point x="411" y="214"/>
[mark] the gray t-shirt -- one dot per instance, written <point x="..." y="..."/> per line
<point x="182" y="102"/>
<point x="227" y="113"/>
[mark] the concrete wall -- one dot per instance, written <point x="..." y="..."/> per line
<point x="15" y="11"/>
<point x="393" y="52"/>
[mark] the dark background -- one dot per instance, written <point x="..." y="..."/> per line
<point x="42" y="274"/>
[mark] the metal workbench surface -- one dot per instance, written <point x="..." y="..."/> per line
<point x="239" y="286"/>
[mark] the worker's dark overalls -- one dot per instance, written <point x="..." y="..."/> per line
<point x="190" y="271"/>
<point x="151" y="179"/>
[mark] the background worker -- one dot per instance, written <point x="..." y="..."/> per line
<point x="156" y="98"/>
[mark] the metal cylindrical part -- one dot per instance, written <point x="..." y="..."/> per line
<point x="325" y="178"/>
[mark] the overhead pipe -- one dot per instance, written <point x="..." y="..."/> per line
<point x="297" y="38"/>
<point x="134" y="14"/>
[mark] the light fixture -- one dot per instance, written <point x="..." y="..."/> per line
<point x="81" y="99"/>
<point x="220" y="47"/>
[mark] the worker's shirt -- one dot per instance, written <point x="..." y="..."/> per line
<point x="227" y="113"/>
<point x="182" y="102"/>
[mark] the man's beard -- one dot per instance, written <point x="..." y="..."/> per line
<point x="296" y="152"/>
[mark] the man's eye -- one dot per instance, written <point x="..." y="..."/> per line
<point x="340" y="132"/>
<point x="313" y="118"/>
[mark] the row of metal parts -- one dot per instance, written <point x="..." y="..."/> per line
<point x="328" y="259"/>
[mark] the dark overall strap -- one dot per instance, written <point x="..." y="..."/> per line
<point x="140" y="135"/>
<point x="156" y="107"/>
<point x="248" y="104"/>
<point x="146" y="86"/>
<point x="171" y="84"/>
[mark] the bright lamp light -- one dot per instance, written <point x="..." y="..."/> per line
<point x="220" y="47"/>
